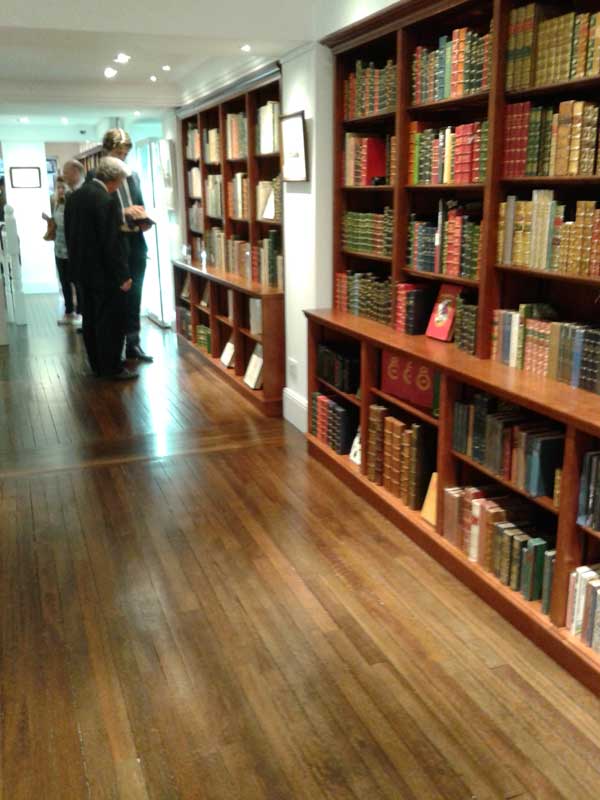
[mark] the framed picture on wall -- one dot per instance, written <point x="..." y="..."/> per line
<point x="25" y="177"/>
<point x="293" y="147"/>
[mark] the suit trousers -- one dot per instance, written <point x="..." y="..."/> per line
<point x="104" y="319"/>
<point x="137" y="270"/>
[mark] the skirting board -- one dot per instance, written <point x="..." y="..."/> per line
<point x="295" y="409"/>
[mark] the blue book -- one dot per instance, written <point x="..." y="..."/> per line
<point x="505" y="326"/>
<point x="577" y="344"/>
<point x="544" y="458"/>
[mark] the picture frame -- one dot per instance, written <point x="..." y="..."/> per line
<point x="25" y="178"/>
<point x="293" y="148"/>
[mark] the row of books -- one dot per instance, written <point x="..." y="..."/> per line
<point x="267" y="138"/>
<point x="496" y="531"/>
<point x="262" y="263"/>
<point x="237" y="135"/>
<point x="583" y="605"/>
<point x="370" y="89"/>
<point x="564" y="351"/>
<point x="588" y="512"/>
<point x="523" y="450"/>
<point x="400" y="457"/>
<point x="196" y="217"/>
<point x="194" y="178"/>
<point x="366" y="232"/>
<point x="369" y="160"/>
<point x="238" y="200"/>
<point x="544" y="51"/>
<point x="332" y="423"/>
<point x="461" y="65"/>
<point x="214" y="195"/>
<point x="203" y="337"/>
<point x="414" y="303"/>
<point x="339" y="366"/>
<point x="192" y="143"/>
<point x="465" y="326"/>
<point x="450" y="246"/>
<point x="269" y="199"/>
<point x="535" y="234"/>
<point x="365" y="295"/>
<point x="550" y="140"/>
<point x="253" y="376"/>
<point x="211" y="145"/>
<point x="448" y="155"/>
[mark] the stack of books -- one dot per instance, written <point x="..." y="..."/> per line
<point x="237" y="196"/>
<point x="196" y="218"/>
<point x="583" y="605"/>
<point x="551" y="140"/>
<point x="450" y="246"/>
<point x="589" y="491"/>
<point x="369" y="160"/>
<point x="523" y="450"/>
<point x="414" y="302"/>
<point x="465" y="326"/>
<point x="535" y="234"/>
<point x="195" y="183"/>
<point x="239" y="257"/>
<point x="237" y="136"/>
<point x="267" y="134"/>
<point x="203" y="337"/>
<point x="461" y="65"/>
<point x="192" y="144"/>
<point x="212" y="146"/>
<point x="268" y="200"/>
<point x="339" y="366"/>
<point x="267" y="261"/>
<point x="368" y="233"/>
<point x="214" y="196"/>
<point x="495" y="530"/>
<point x="448" y="155"/>
<point x="332" y="423"/>
<point x="365" y="295"/>
<point x="370" y="90"/>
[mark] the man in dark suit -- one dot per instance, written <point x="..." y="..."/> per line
<point x="95" y="245"/>
<point x="117" y="143"/>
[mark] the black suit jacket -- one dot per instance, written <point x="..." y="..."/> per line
<point x="135" y="242"/>
<point x="94" y="241"/>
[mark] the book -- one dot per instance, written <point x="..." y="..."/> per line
<point x="253" y="374"/>
<point x="429" y="509"/>
<point x="228" y="354"/>
<point x="441" y="322"/>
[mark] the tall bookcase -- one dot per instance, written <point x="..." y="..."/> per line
<point x="394" y="36"/>
<point x="90" y="158"/>
<point x="234" y="281"/>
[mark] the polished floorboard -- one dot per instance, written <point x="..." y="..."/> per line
<point x="192" y="608"/>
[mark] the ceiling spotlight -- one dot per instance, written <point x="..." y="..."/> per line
<point x="122" y="58"/>
<point x="24" y="120"/>
<point x="245" y="48"/>
<point x="64" y="120"/>
<point x="136" y="113"/>
<point x="153" y="78"/>
<point x="166" y="68"/>
<point x="110" y="72"/>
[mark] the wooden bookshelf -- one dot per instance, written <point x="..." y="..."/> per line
<point x="90" y="157"/>
<point x="224" y="322"/>
<point x="403" y="28"/>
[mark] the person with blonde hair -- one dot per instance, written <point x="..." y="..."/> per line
<point x="61" y="255"/>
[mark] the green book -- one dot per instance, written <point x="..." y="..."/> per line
<point x="539" y="547"/>
<point x="549" y="561"/>
<point x="519" y="542"/>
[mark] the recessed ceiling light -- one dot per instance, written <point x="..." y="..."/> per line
<point x="122" y="58"/>
<point x="136" y="113"/>
<point x="153" y="78"/>
<point x="166" y="68"/>
<point x="64" y="120"/>
<point x="245" y="48"/>
<point x="110" y="72"/>
<point x="24" y="120"/>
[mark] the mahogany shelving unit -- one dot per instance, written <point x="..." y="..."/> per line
<point x="90" y="157"/>
<point x="394" y="34"/>
<point x="257" y="167"/>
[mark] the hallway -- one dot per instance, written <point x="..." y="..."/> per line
<point x="186" y="614"/>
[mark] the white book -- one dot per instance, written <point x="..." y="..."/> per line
<point x="253" y="376"/>
<point x="356" y="449"/>
<point x="514" y="338"/>
<point x="228" y="354"/>
<point x="255" y="308"/>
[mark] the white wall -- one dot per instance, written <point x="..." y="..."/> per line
<point x="62" y="150"/>
<point x="39" y="270"/>
<point x="308" y="211"/>
<point x="331" y="15"/>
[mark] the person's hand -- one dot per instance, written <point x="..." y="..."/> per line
<point x="135" y="212"/>
<point x="125" y="287"/>
<point x="144" y="226"/>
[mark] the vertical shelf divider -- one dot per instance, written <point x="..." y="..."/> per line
<point x="446" y="464"/>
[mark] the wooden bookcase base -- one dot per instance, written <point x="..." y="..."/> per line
<point x="527" y="617"/>
<point x="270" y="408"/>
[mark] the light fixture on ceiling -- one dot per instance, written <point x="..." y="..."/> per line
<point x="136" y="113"/>
<point x="245" y="48"/>
<point x="122" y="58"/>
<point x="64" y="120"/>
<point x="24" y="120"/>
<point x="166" y="68"/>
<point x="110" y="72"/>
<point x="153" y="78"/>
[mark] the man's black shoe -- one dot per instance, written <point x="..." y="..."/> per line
<point x="135" y="353"/>
<point x="124" y="375"/>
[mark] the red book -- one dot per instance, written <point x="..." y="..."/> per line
<point x="407" y="379"/>
<point x="374" y="159"/>
<point x="441" y="322"/>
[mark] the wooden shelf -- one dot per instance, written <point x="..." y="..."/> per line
<point x="215" y="218"/>
<point x="240" y="219"/>
<point x="371" y="256"/>
<point x="545" y="502"/>
<point x="277" y="154"/>
<point x="445" y="187"/>
<point x="238" y="160"/>
<point x="576" y="86"/>
<point x="225" y="320"/>
<point x="475" y="100"/>
<point x="591" y="280"/>
<point x="350" y="398"/>
<point x="589" y="531"/>
<point x="575" y="181"/>
<point x="193" y="199"/>
<point x="229" y="279"/>
<point x="256" y="337"/>
<point x="212" y="163"/>
<point x="384" y="116"/>
<point x="275" y="222"/>
<point x="203" y="310"/>
<point x="381" y="188"/>
<point x="395" y="401"/>
<point x="434" y="276"/>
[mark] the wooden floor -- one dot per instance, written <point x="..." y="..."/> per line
<point x="193" y="608"/>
